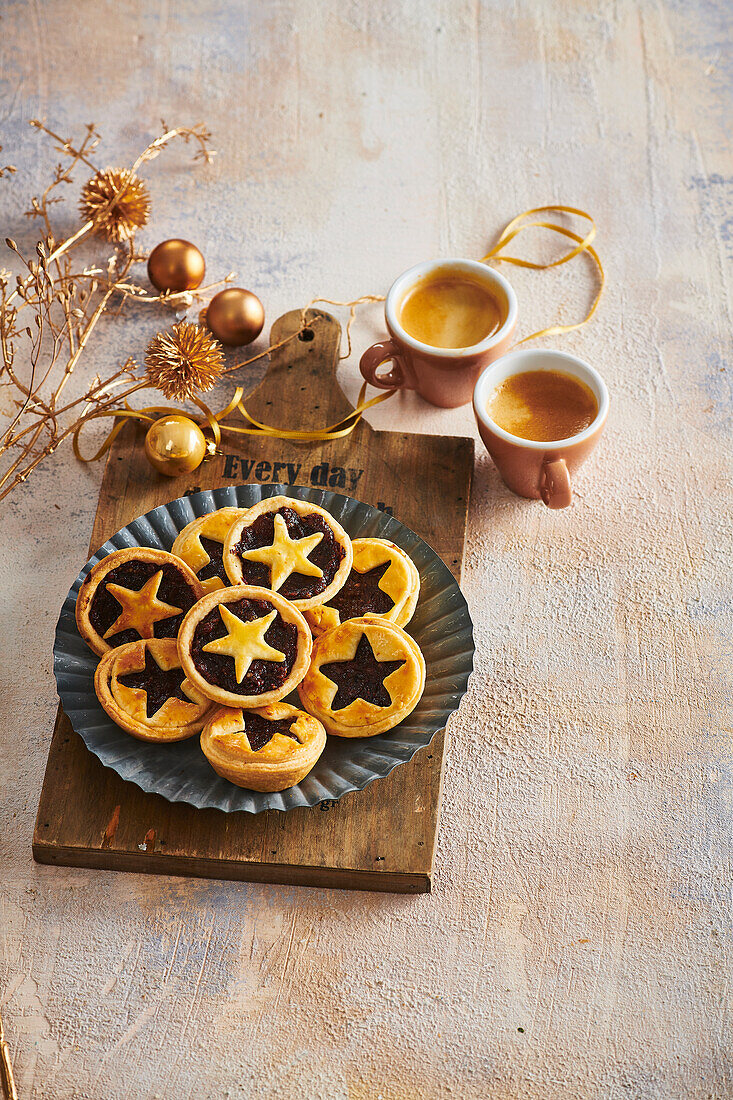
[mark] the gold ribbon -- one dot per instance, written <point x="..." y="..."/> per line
<point x="347" y="424"/>
<point x="583" y="244"/>
<point x="152" y="413"/>
<point x="338" y="430"/>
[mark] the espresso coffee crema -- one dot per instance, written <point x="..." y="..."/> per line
<point x="543" y="405"/>
<point x="450" y="310"/>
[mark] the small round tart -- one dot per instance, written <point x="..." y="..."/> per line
<point x="244" y="646"/>
<point x="383" y="581"/>
<point x="365" y="676"/>
<point x="201" y="545"/>
<point x="290" y="546"/>
<point x="132" y="594"/>
<point x="143" y="688"/>
<point x="266" y="749"/>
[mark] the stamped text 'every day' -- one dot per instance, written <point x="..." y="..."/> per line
<point x="289" y="473"/>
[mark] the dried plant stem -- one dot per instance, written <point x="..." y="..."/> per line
<point x="273" y="347"/>
<point x="179" y="298"/>
<point x="51" y="310"/>
<point x="66" y="245"/>
<point x="92" y="406"/>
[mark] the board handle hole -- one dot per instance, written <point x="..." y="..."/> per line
<point x="307" y="335"/>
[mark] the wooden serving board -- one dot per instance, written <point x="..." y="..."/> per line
<point x="381" y="838"/>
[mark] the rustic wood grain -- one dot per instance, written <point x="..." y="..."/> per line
<point x="381" y="838"/>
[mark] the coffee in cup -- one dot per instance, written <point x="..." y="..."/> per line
<point x="545" y="405"/>
<point x="540" y="413"/>
<point x="446" y="319"/>
<point x="450" y="309"/>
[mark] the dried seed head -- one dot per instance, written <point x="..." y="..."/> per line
<point x="117" y="201"/>
<point x="184" y="361"/>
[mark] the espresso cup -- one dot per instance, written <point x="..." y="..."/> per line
<point x="538" y="470"/>
<point x="443" y="376"/>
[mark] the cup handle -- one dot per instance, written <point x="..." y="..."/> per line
<point x="373" y="358"/>
<point x="555" y="487"/>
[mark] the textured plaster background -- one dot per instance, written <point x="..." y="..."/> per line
<point x="577" y="940"/>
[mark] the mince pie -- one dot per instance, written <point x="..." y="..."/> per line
<point x="244" y="646"/>
<point x="143" y="688"/>
<point x="383" y="581"/>
<point x="365" y="676"/>
<point x="290" y="546"/>
<point x="267" y="749"/>
<point x="135" y="593"/>
<point x="201" y="545"/>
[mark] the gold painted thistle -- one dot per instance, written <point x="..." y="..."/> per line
<point x="118" y="203"/>
<point x="184" y="361"/>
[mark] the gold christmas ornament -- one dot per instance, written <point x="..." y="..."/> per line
<point x="235" y="316"/>
<point x="176" y="265"/>
<point x="118" y="203"/>
<point x="184" y="361"/>
<point x="175" y="445"/>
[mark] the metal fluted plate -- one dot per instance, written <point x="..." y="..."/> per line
<point x="180" y="772"/>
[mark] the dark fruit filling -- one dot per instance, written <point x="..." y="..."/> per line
<point x="328" y="555"/>
<point x="260" y="731"/>
<point x="215" y="566"/>
<point x="362" y="594"/>
<point x="174" y="589"/>
<point x="361" y="678"/>
<point x="219" y="669"/>
<point x="157" y="683"/>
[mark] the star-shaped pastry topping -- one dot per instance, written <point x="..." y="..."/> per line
<point x="361" y="678"/>
<point x="260" y="731"/>
<point x="362" y="594"/>
<point x="214" y="567"/>
<point x="159" y="684"/>
<point x="245" y="642"/>
<point x="286" y="555"/>
<point x="140" y="610"/>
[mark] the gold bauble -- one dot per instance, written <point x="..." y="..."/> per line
<point x="175" y="445"/>
<point x="176" y="265"/>
<point x="235" y="316"/>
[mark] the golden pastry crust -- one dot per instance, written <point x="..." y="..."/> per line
<point x="398" y="584"/>
<point x="151" y="591"/>
<point x="294" y="565"/>
<point x="244" y="646"/>
<point x="346" y="662"/>
<point x="280" y="763"/>
<point x="188" y="546"/>
<point x="139" y="683"/>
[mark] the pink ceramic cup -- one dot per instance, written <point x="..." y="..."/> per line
<point x="443" y="376"/>
<point x="538" y="470"/>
